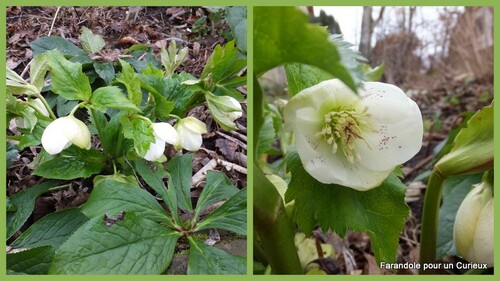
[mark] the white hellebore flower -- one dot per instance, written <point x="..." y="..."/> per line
<point x="233" y="115"/>
<point x="63" y="132"/>
<point x="189" y="130"/>
<point x="164" y="133"/>
<point x="473" y="229"/>
<point x="354" y="140"/>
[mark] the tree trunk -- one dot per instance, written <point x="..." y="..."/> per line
<point x="366" y="32"/>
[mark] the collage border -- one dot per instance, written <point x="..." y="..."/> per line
<point x="250" y="105"/>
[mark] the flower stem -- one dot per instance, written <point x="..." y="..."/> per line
<point x="47" y="106"/>
<point x="273" y="227"/>
<point x="76" y="107"/>
<point x="174" y="116"/>
<point x="430" y="216"/>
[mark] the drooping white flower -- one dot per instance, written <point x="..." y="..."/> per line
<point x="352" y="140"/>
<point x="474" y="224"/>
<point x="190" y="130"/>
<point x="63" y="132"/>
<point x="224" y="109"/>
<point x="164" y="133"/>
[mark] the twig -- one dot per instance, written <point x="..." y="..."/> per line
<point x="419" y="165"/>
<point x="240" y="143"/>
<point x="202" y="173"/>
<point x="54" y="20"/>
<point x="238" y="135"/>
<point x="231" y="166"/>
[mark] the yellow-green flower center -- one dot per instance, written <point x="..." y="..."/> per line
<point x="341" y="129"/>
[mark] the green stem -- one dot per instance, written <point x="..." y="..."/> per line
<point x="77" y="107"/>
<point x="174" y="116"/>
<point x="432" y="201"/>
<point x="55" y="188"/>
<point x="273" y="227"/>
<point x="47" y="106"/>
<point x="97" y="124"/>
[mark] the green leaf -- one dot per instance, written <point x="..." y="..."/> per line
<point x="24" y="202"/>
<point x="218" y="187"/>
<point x="267" y="135"/>
<point x="53" y="229"/>
<point x="155" y="181"/>
<point x="454" y="192"/>
<point x="68" y="80"/>
<point x="132" y="245"/>
<point x="72" y="163"/>
<point x="372" y="74"/>
<point x="131" y="81"/>
<point x="38" y="70"/>
<point x="105" y="70"/>
<point x="111" y="97"/>
<point x="223" y="63"/>
<point x="301" y="76"/>
<point x="44" y="44"/>
<point x="91" y="43"/>
<point x="32" y="261"/>
<point x="237" y="19"/>
<point x="380" y="211"/>
<point x="111" y="197"/>
<point x="472" y="151"/>
<point x="140" y="131"/>
<point x="283" y="35"/>
<point x="231" y="216"/>
<point x="16" y="84"/>
<point x="204" y="259"/>
<point x="181" y="171"/>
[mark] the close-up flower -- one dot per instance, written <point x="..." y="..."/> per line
<point x="354" y="140"/>
<point x="189" y="130"/>
<point x="164" y="133"/>
<point x="63" y="132"/>
<point x="474" y="223"/>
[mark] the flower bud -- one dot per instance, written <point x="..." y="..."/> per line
<point x="473" y="229"/>
<point x="63" y="132"/>
<point x="225" y="110"/>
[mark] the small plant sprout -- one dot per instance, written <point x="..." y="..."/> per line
<point x="189" y="130"/>
<point x="164" y="133"/>
<point x="473" y="229"/>
<point x="351" y="140"/>
<point x="63" y="132"/>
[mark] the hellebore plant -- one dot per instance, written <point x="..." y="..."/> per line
<point x="351" y="140"/>
<point x="474" y="224"/>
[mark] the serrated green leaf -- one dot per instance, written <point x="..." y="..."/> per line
<point x="181" y="171"/>
<point x="472" y="151"/>
<point x="218" y="187"/>
<point x="105" y="70"/>
<point x="140" y="131"/>
<point x="454" y="191"/>
<point x="231" y="216"/>
<point x="133" y="245"/>
<point x="157" y="184"/>
<point x="72" y="163"/>
<point x="38" y="70"/>
<point x="301" y="76"/>
<point x="204" y="259"/>
<point x="131" y="81"/>
<point x="44" y="44"/>
<point x="110" y="197"/>
<point x="24" y="202"/>
<point x="32" y="261"/>
<point x="283" y="35"/>
<point x="91" y="43"/>
<point x="53" y="229"/>
<point x="380" y="211"/>
<point x="372" y="74"/>
<point x="111" y="97"/>
<point x="68" y="80"/>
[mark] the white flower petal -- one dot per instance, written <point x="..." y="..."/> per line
<point x="396" y="127"/>
<point x="189" y="140"/>
<point x="166" y="132"/>
<point x="482" y="246"/>
<point x="194" y="125"/>
<point x="233" y="115"/>
<point x="77" y="132"/>
<point x="54" y="140"/>
<point x="155" y="150"/>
